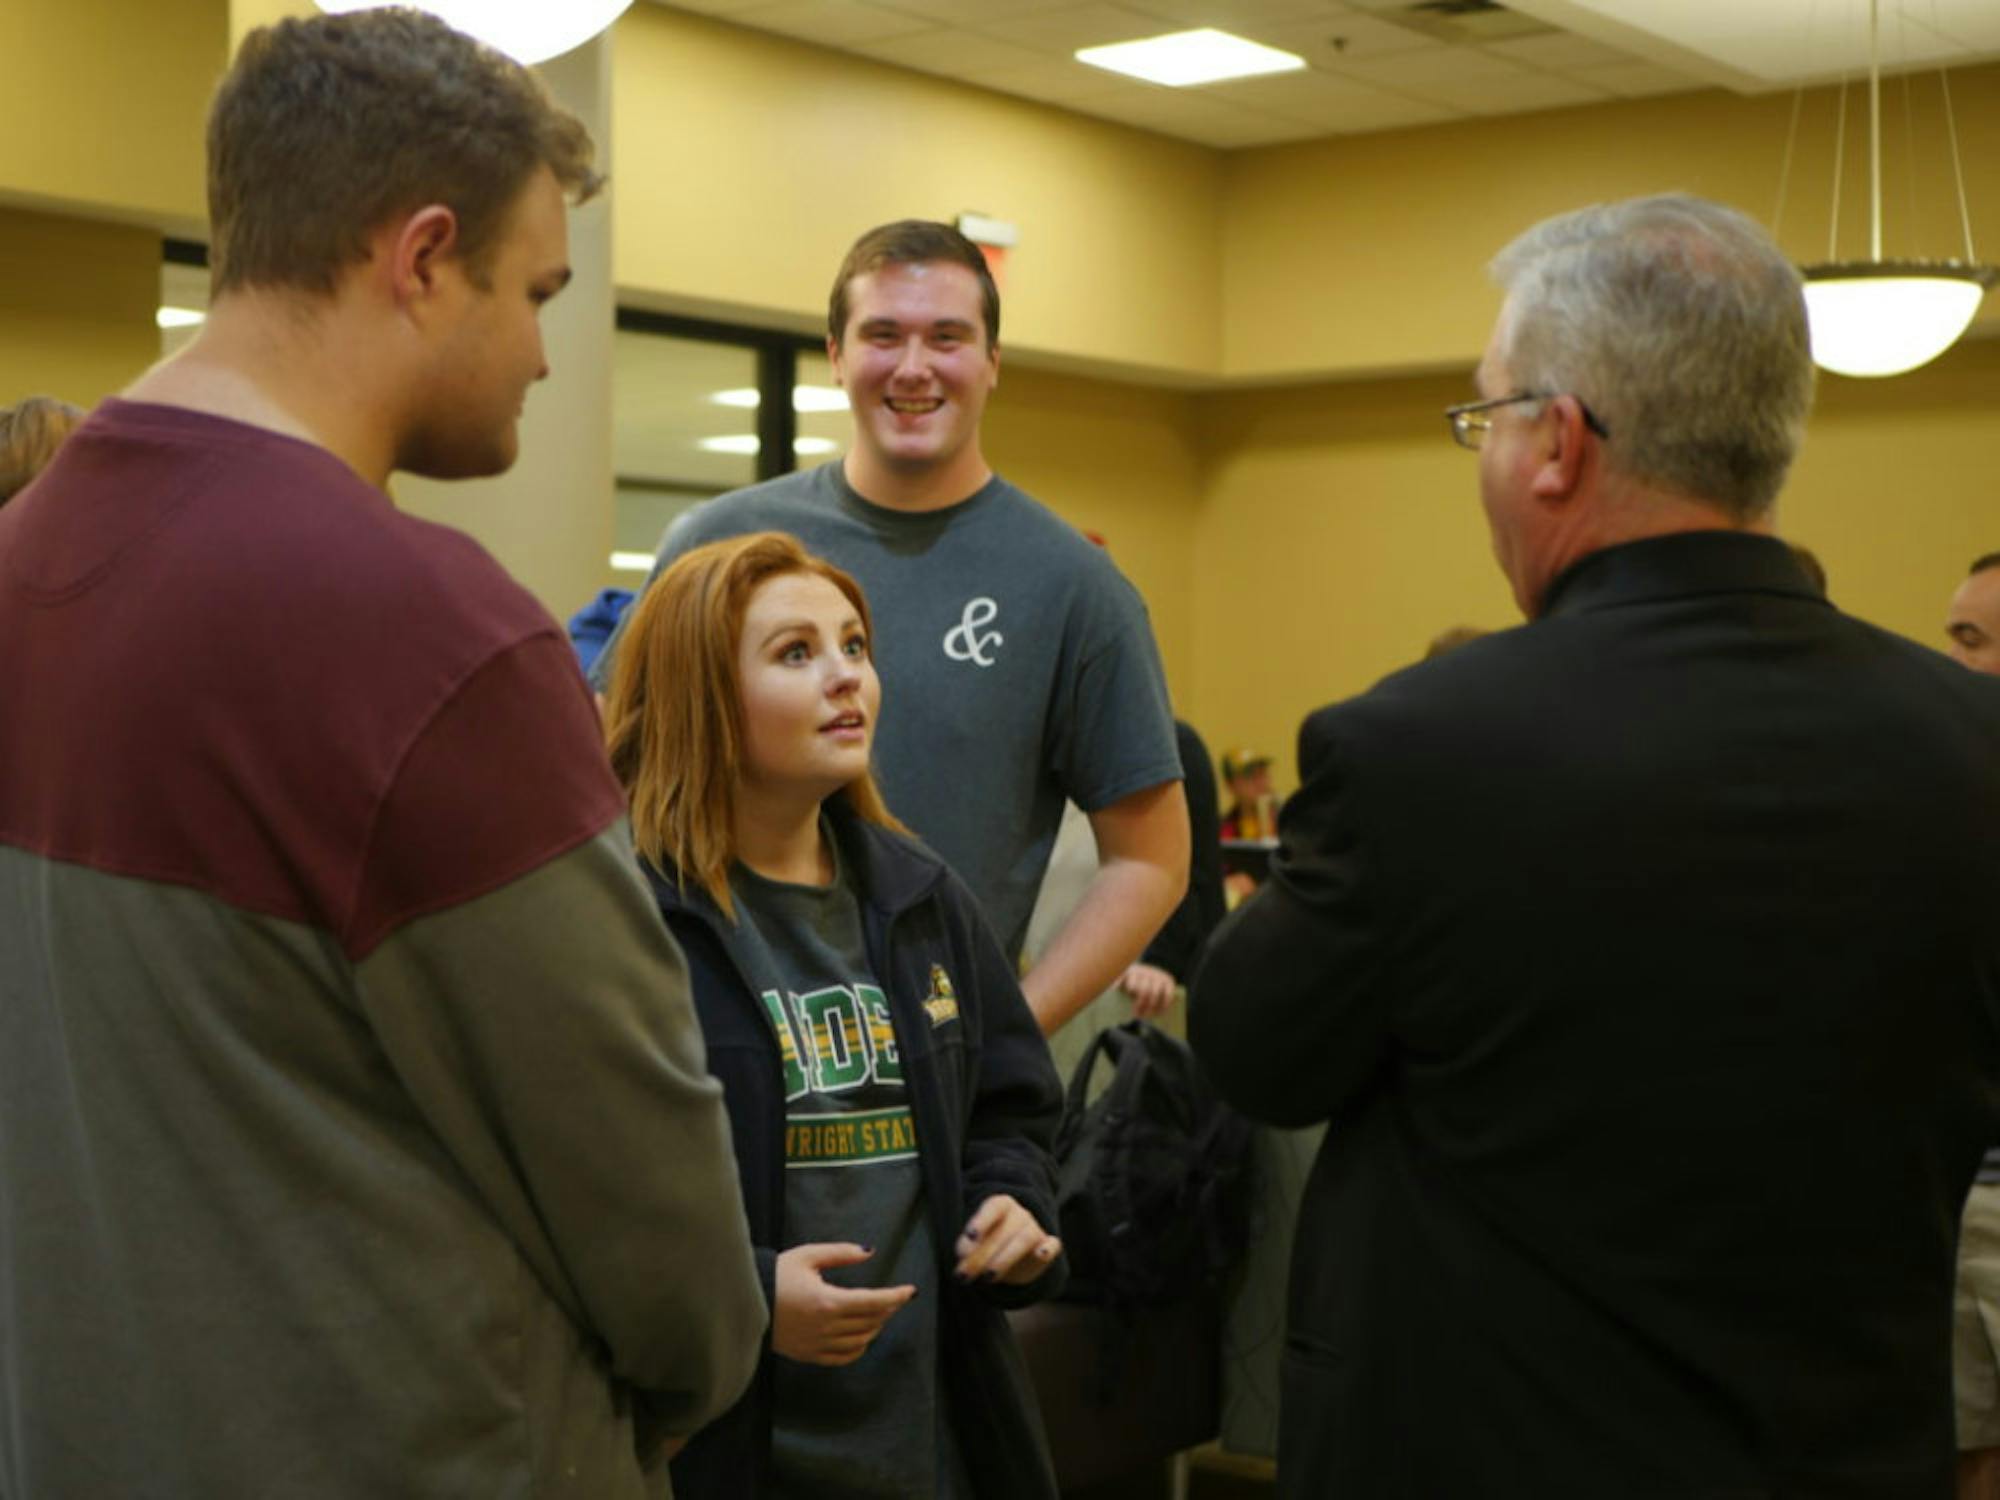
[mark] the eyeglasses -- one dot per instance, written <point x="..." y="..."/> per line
<point x="1472" y="421"/>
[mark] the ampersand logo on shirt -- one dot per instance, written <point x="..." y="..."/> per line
<point x="966" y="641"/>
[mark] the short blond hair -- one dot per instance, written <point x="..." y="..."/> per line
<point x="30" y="433"/>
<point x="674" y="717"/>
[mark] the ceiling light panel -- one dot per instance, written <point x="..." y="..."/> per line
<point x="1184" y="59"/>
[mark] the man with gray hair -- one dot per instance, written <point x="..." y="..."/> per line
<point x="1642" y="958"/>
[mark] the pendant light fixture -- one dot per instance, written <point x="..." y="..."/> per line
<point x="1879" y="317"/>
<point x="529" y="31"/>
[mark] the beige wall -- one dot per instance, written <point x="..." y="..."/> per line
<point x="749" y="164"/>
<point x="1119" y="461"/>
<point x="76" y="306"/>
<point x="101" y="103"/>
<point x="1340" y="528"/>
<point x="1366" y="254"/>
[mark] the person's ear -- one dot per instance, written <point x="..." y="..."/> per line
<point x="422" y="244"/>
<point x="1564" y="435"/>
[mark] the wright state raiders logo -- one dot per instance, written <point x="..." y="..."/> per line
<point x="941" y="1005"/>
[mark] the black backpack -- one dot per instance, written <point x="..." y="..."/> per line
<point x="1152" y="1177"/>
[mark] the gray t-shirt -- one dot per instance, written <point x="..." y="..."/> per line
<point x="1018" y="667"/>
<point x="877" y="1428"/>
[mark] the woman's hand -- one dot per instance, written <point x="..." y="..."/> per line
<point x="1152" y="989"/>
<point x="1004" y="1242"/>
<point x="819" y="1323"/>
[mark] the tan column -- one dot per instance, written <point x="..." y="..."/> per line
<point x="549" y="519"/>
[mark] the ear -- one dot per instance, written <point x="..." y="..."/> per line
<point x="993" y="365"/>
<point x="833" y="358"/>
<point x="1563" y="436"/>
<point x="421" y="245"/>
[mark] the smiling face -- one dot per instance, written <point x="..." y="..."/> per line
<point x="1974" y="622"/>
<point x="917" y="369"/>
<point x="487" y="347"/>
<point x="809" y="690"/>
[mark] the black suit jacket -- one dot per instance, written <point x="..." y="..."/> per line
<point x="1646" y="961"/>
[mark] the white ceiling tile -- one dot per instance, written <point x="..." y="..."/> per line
<point x="1558" y="51"/>
<point x="1333" y="104"/>
<point x="1234" y="15"/>
<point x="952" y="52"/>
<point x="1341" y="38"/>
<point x="1190" y="117"/>
<point x="1061" y="32"/>
<point x="714" y="7"/>
<point x="1639" y="80"/>
<point x="1054" y="81"/>
<point x="834" y="23"/>
<point x="972" y="12"/>
<point x="1759" y="44"/>
<point x="1426" y="72"/>
<point x="1512" y="96"/>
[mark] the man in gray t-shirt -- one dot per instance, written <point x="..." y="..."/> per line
<point x="1017" y="664"/>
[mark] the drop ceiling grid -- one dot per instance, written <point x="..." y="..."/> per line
<point x="1365" y="73"/>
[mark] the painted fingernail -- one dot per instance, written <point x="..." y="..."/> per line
<point x="972" y="1234"/>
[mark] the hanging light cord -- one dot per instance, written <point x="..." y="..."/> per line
<point x="1957" y="168"/>
<point x="1839" y="151"/>
<point x="1785" y="171"/>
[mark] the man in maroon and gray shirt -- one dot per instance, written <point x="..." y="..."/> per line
<point x="355" y="1136"/>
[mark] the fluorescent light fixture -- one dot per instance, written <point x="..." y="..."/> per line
<point x="529" y="31"/>
<point x="746" y="444"/>
<point x="1182" y="58"/>
<point x="810" y="398"/>
<point x="632" y="562"/>
<point x="180" y="317"/>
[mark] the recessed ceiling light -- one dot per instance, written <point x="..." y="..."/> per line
<point x="179" y="317"/>
<point x="804" y="398"/>
<point x="1182" y="58"/>
<point x="632" y="562"/>
<point x="746" y="443"/>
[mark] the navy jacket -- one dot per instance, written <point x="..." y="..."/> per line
<point x="1646" y="963"/>
<point x="986" y="1102"/>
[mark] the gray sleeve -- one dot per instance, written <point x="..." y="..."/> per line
<point x="546" y="1033"/>
<point x="1114" y="734"/>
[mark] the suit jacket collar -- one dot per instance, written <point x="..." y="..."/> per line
<point x="1684" y="565"/>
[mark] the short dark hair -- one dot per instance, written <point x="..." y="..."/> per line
<point x="1980" y="565"/>
<point x="912" y="242"/>
<point x="324" y="129"/>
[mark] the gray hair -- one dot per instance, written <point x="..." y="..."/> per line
<point x="1683" y="329"/>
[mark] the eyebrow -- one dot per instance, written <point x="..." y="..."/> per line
<point x="963" y="325"/>
<point x="807" y="627"/>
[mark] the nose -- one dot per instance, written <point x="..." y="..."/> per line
<point x="910" y="361"/>
<point x="844" y="677"/>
